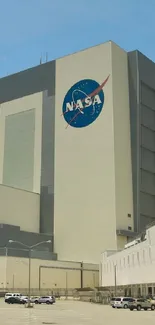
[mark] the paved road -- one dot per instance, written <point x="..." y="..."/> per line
<point x="72" y="313"/>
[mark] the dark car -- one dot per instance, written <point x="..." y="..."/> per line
<point x="15" y="300"/>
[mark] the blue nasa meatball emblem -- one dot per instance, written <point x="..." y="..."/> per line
<point x="83" y="103"/>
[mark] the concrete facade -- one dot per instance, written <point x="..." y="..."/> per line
<point x="142" y="117"/>
<point x="29" y="91"/>
<point x="93" y="188"/>
<point x="20" y="134"/>
<point x="20" y="208"/>
<point x="45" y="274"/>
<point x="40" y="155"/>
<point x="94" y="183"/>
<point x="133" y="267"/>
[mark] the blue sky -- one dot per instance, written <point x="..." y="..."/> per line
<point x="30" y="28"/>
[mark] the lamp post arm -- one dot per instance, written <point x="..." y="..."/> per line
<point x="38" y="244"/>
<point x="20" y="243"/>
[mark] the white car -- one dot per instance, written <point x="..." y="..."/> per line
<point x="12" y="294"/>
<point x="121" y="302"/>
<point x="24" y="299"/>
<point x="49" y="300"/>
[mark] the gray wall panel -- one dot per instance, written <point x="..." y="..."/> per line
<point x="147" y="71"/>
<point x="147" y="96"/>
<point x="28" y="82"/>
<point x="147" y="182"/>
<point x="148" y="138"/>
<point x="8" y="232"/>
<point x="19" y="150"/>
<point x="38" y="79"/>
<point x="47" y="167"/>
<point x="135" y="131"/>
<point x="148" y="160"/>
<point x="148" y="117"/>
<point x="144" y="221"/>
<point x="142" y="103"/>
<point x="147" y="205"/>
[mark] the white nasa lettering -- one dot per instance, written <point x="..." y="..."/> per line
<point x="69" y="106"/>
<point x="97" y="100"/>
<point x="88" y="101"/>
<point x="79" y="104"/>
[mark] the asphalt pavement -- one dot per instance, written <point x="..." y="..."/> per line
<point x="72" y="313"/>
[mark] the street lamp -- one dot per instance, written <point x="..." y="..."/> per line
<point x="115" y="278"/>
<point x="29" y="249"/>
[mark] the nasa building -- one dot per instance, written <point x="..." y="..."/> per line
<point x="77" y="152"/>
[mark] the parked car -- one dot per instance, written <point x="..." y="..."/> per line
<point x="8" y="295"/>
<point x="34" y="299"/>
<point x="15" y="300"/>
<point x="24" y="299"/>
<point x="121" y="302"/>
<point x="141" y="303"/>
<point x="45" y="300"/>
<point x="112" y="301"/>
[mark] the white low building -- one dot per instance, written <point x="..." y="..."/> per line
<point x="133" y="267"/>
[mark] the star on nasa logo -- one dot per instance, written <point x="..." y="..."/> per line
<point x="83" y="103"/>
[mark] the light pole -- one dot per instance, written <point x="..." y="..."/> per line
<point x="115" y="279"/>
<point x="66" y="285"/>
<point x="6" y="258"/>
<point x="29" y="249"/>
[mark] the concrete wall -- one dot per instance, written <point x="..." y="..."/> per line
<point x="61" y="274"/>
<point x="20" y="142"/>
<point x="142" y="109"/>
<point x="122" y="143"/>
<point x="19" y="208"/>
<point x="32" y="89"/>
<point x="93" y="191"/>
<point x="134" y="265"/>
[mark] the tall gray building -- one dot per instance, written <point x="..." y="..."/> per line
<point x="77" y="146"/>
<point x="142" y="119"/>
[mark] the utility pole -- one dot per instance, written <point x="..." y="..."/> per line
<point x="6" y="259"/>
<point x="13" y="282"/>
<point x="29" y="295"/>
<point x="115" y="279"/>
<point x="29" y="274"/>
<point x="94" y="280"/>
<point x="66" y="285"/>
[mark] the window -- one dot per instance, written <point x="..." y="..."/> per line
<point x="138" y="257"/>
<point x="144" y="256"/>
<point x="129" y="215"/>
<point x="128" y="260"/>
<point x="129" y="228"/>
<point x="140" y="300"/>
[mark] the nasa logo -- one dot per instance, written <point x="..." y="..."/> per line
<point x="83" y="103"/>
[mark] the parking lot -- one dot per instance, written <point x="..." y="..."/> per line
<point x="72" y="313"/>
